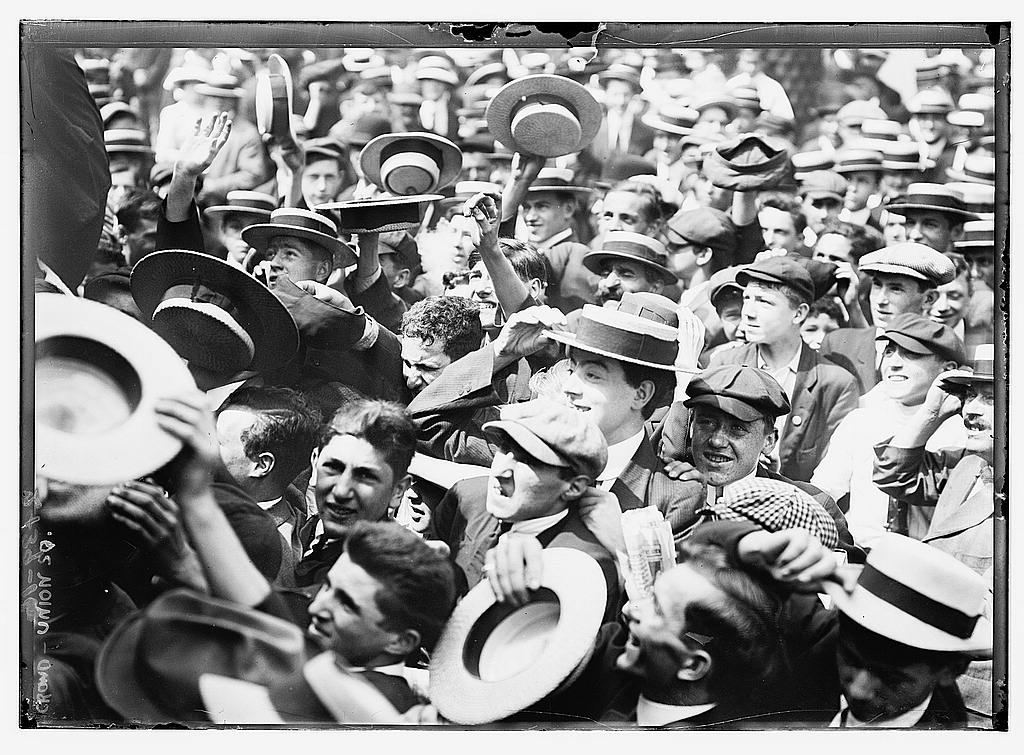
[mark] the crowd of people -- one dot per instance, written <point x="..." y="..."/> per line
<point x="511" y="387"/>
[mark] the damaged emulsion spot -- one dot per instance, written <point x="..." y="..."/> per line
<point x="483" y="32"/>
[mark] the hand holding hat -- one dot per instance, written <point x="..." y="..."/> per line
<point x="486" y="211"/>
<point x="523" y="334"/>
<point x="514" y="566"/>
<point x="942" y="400"/>
<point x="794" y="557"/>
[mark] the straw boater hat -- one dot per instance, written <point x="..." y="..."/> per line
<point x="809" y="162"/>
<point x="381" y="214"/>
<point x="976" y="169"/>
<point x="544" y="115"/>
<point x="982" y="368"/>
<point x="905" y="156"/>
<point x="98" y="373"/>
<point x="859" y="157"/>
<point x="933" y="100"/>
<point x="934" y="197"/>
<point x="128" y="140"/>
<point x="212" y="313"/>
<point x="494" y="660"/>
<point x="977" y="235"/>
<point x="253" y="203"/>
<point x="274" y="99"/>
<point x="881" y="129"/>
<point x="856" y="112"/>
<point x="436" y="68"/>
<point x="639" y="329"/>
<point x="634" y="247"/>
<point x="410" y="163"/>
<point x="149" y="668"/>
<point x="672" y="118"/>
<point x="918" y="595"/>
<point x="717" y="99"/>
<point x="303" y="224"/>
<point x="557" y="179"/>
<point x="979" y="198"/>
<point x="222" y="85"/>
<point x="358" y="59"/>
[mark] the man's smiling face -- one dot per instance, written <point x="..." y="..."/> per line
<point x="725" y="448"/>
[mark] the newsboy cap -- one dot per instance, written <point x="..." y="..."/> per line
<point x="746" y="393"/>
<point x="554" y="434"/>
<point x="704" y="226"/>
<point x="911" y="259"/>
<point x="919" y="335"/>
<point x="780" y="270"/>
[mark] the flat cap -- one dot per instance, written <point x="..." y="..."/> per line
<point x="704" y="226"/>
<point x="748" y="162"/>
<point x="722" y="281"/>
<point x="919" y="335"/>
<point x="911" y="259"/>
<point x="819" y="184"/>
<point x="775" y="505"/>
<point x="780" y="270"/>
<point x="554" y="434"/>
<point x="746" y="393"/>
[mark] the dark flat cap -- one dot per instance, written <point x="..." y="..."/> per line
<point x="919" y="335"/>
<point x="746" y="393"/>
<point x="748" y="162"/>
<point x="784" y="270"/>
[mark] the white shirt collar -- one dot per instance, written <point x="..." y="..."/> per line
<point x="716" y="493"/>
<point x="650" y="713"/>
<point x="619" y="455"/>
<point x="267" y="505"/>
<point x="792" y="366"/>
<point x="394" y="669"/>
<point x="902" y="721"/>
<point x="555" y="239"/>
<point x="538" y="525"/>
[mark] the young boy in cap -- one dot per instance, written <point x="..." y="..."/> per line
<point x="777" y="293"/>
<point x="903" y="279"/>
<point x="916" y="352"/>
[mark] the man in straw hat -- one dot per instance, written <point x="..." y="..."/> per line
<point x="935" y="215"/>
<point x="899" y="634"/>
<point x="777" y="294"/>
<point x="904" y="278"/>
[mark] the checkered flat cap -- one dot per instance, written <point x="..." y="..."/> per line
<point x="774" y="505"/>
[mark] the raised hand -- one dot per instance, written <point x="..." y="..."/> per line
<point x="188" y="418"/>
<point x="793" y="556"/>
<point x="600" y="511"/>
<point x="523" y="334"/>
<point x="487" y="214"/>
<point x="209" y="135"/>
<point x="940" y="403"/>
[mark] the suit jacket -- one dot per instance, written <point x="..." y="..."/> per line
<point x="822" y="396"/>
<point x="958" y="486"/>
<point x="462" y="521"/>
<point x="854" y="350"/>
<point x="641" y="139"/>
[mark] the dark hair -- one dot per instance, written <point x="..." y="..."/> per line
<point x="417" y="582"/>
<point x="828" y="305"/>
<point x="896" y="653"/>
<point x="287" y="425"/>
<point x="654" y="209"/>
<point x="787" y="204"/>
<point x="664" y="384"/>
<point x="746" y="643"/>
<point x="960" y="268"/>
<point x="863" y="239"/>
<point x="136" y="206"/>
<point x="385" y="425"/>
<point x="526" y="260"/>
<point x="453" y="320"/>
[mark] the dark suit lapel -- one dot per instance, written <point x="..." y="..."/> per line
<point x="631" y="485"/>
<point x="803" y="388"/>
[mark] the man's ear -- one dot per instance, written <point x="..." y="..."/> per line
<point x="801" y="312"/>
<point x="402" y="279"/>
<point x="537" y="288"/>
<point x="657" y="286"/>
<point x="577" y="487"/>
<point x="644" y="393"/>
<point x="930" y="297"/>
<point x="323" y="269"/>
<point x="398" y="492"/>
<point x="695" y="665"/>
<point x="703" y="255"/>
<point x="770" y="440"/>
<point x="956" y="231"/>
<point x="402" y="643"/>
<point x="263" y="465"/>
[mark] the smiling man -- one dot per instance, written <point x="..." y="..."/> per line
<point x="915" y="352"/>
<point x="359" y="475"/>
<point x="904" y="278"/>
<point x="777" y="292"/>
